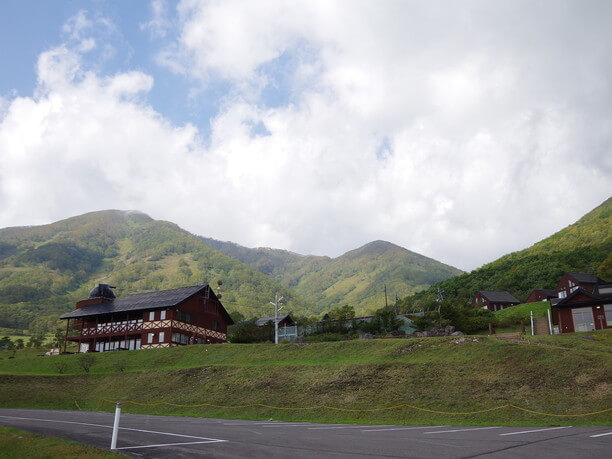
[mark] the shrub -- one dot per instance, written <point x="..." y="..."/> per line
<point x="86" y="361"/>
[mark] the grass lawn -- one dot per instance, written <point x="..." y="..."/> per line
<point x="371" y="381"/>
<point x="15" y="443"/>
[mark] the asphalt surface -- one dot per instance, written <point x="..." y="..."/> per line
<point x="180" y="437"/>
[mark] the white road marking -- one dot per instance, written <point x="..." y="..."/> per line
<point x="284" y="425"/>
<point x="173" y="444"/>
<point x="403" y="428"/>
<point x="601" y="435"/>
<point x="531" y="431"/>
<point x="279" y="423"/>
<point x="110" y="427"/>
<point x="461" y="430"/>
<point x="342" y="427"/>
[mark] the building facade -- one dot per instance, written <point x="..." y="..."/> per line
<point x="188" y="315"/>
<point x="584" y="303"/>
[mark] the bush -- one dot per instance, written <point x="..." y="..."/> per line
<point x="86" y="361"/>
<point x="60" y="366"/>
<point x="464" y="318"/>
<point x="250" y="332"/>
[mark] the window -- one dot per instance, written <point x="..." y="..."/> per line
<point x="583" y="319"/>
<point x="162" y="314"/>
<point x="161" y="337"/>
<point x="180" y="338"/>
<point x="183" y="316"/>
<point x="609" y="314"/>
<point x="150" y="337"/>
<point x="215" y="325"/>
<point x="562" y="294"/>
<point x="152" y="315"/>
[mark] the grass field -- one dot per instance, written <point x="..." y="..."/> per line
<point x="357" y="381"/>
<point x="15" y="443"/>
<point x="522" y="311"/>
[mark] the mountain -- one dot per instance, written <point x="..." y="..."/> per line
<point x="585" y="246"/>
<point x="356" y="278"/>
<point x="45" y="269"/>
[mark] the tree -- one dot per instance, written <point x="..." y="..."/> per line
<point x="4" y="343"/>
<point x="58" y="337"/>
<point x="342" y="312"/>
<point x="86" y="361"/>
<point x="60" y="365"/>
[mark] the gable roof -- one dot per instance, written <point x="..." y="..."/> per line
<point x="594" y="298"/>
<point x="143" y="301"/>
<point x="498" y="296"/>
<point x="264" y="320"/>
<point x="546" y="291"/>
<point x="585" y="278"/>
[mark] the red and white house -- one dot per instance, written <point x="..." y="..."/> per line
<point x="584" y="303"/>
<point x="187" y="315"/>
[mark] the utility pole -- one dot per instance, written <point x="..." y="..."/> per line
<point x="276" y="309"/>
<point x="386" y="305"/>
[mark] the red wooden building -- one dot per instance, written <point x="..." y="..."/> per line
<point x="493" y="300"/>
<point x="570" y="282"/>
<point x="541" y="295"/>
<point x="187" y="315"/>
<point x="584" y="303"/>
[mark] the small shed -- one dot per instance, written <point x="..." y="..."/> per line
<point x="283" y="321"/>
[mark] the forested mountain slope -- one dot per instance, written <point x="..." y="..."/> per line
<point x="356" y="278"/>
<point x="45" y="269"/>
<point x="585" y="246"/>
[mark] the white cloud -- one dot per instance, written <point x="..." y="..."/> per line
<point x="458" y="130"/>
<point x="159" y="23"/>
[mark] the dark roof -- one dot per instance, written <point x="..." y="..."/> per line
<point x="546" y="291"/>
<point x="585" y="278"/>
<point x="142" y="301"/>
<point x="594" y="299"/>
<point x="264" y="320"/>
<point x="498" y="296"/>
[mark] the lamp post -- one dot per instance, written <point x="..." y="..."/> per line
<point x="276" y="309"/>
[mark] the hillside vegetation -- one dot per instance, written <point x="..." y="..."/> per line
<point x="45" y="269"/>
<point x="356" y="278"/>
<point x="585" y="246"/>
<point x="357" y="381"/>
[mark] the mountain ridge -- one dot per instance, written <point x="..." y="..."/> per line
<point x="357" y="277"/>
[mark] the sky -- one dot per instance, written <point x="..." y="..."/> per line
<point x="461" y="130"/>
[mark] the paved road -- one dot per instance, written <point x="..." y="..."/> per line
<point x="178" y="437"/>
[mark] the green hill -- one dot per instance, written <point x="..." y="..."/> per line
<point x="369" y="381"/>
<point x="45" y="269"/>
<point x="585" y="246"/>
<point x="356" y="278"/>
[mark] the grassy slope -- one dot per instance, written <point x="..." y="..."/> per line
<point x="355" y="278"/>
<point x="585" y="246"/>
<point x="42" y="269"/>
<point x="559" y="374"/>
<point x="19" y="444"/>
